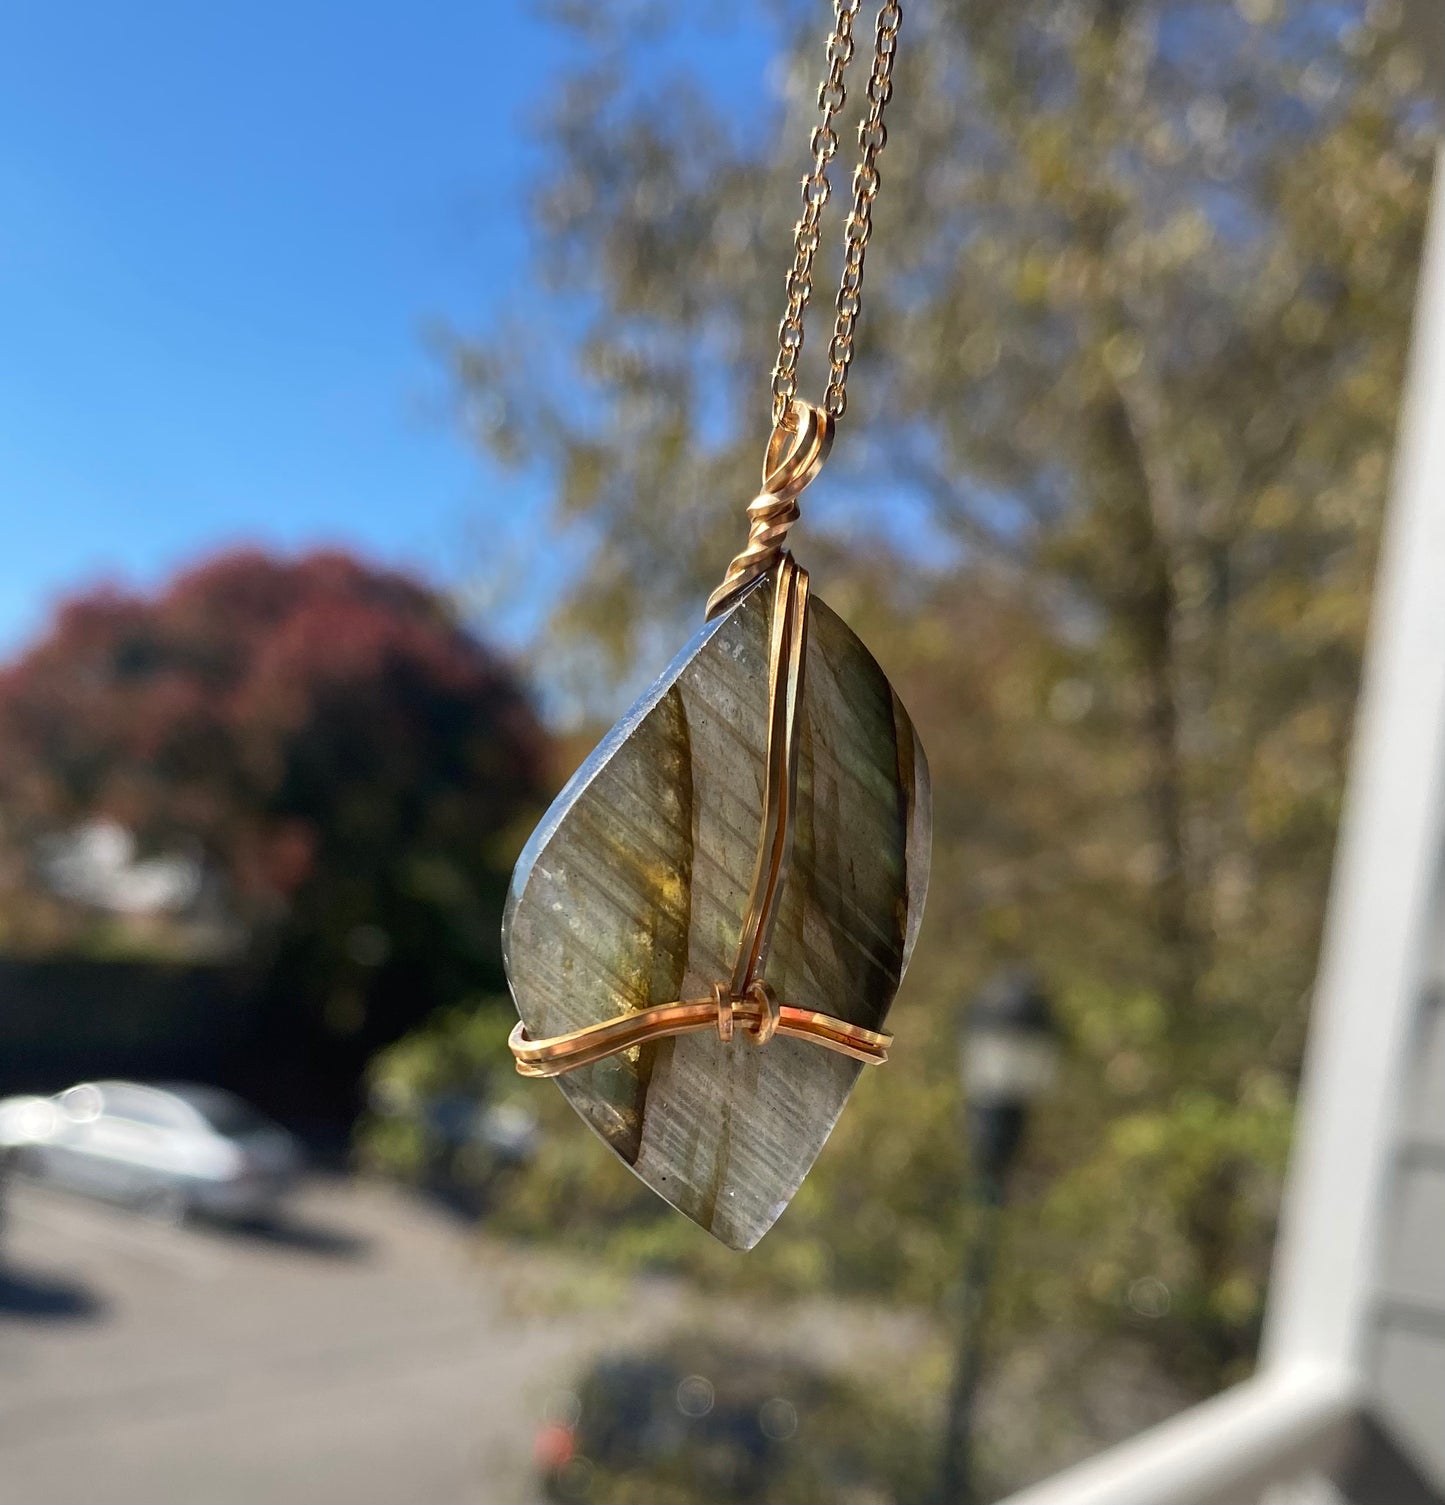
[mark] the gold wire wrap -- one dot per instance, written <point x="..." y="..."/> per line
<point x="796" y="452"/>
<point x="746" y="999"/>
<point x="760" y="1014"/>
<point x="787" y="653"/>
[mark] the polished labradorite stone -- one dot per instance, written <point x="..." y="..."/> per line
<point x="631" y="893"/>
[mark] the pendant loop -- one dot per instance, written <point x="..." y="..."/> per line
<point x="795" y="454"/>
<point x="797" y="449"/>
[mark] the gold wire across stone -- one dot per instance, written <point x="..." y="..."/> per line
<point x="762" y="1015"/>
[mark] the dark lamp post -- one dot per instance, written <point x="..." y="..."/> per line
<point x="1009" y="1057"/>
<point x="1009" y="1049"/>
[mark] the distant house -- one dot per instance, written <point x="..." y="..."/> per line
<point x="168" y="905"/>
<point x="97" y="864"/>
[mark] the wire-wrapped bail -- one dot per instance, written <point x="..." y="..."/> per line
<point x="795" y="454"/>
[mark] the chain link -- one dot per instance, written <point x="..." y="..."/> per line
<point x="872" y="138"/>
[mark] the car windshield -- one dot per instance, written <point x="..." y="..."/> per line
<point x="225" y="1113"/>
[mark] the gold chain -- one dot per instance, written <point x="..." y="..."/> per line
<point x="802" y="433"/>
<point x="872" y="138"/>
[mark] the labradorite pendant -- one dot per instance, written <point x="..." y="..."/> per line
<point x="634" y="891"/>
<point x="705" y="933"/>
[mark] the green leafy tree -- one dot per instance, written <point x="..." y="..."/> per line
<point x="1105" y="505"/>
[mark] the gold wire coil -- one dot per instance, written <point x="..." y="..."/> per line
<point x="796" y="451"/>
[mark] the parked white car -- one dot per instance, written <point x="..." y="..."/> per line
<point x="170" y="1150"/>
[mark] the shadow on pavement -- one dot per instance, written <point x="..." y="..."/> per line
<point x="300" y="1236"/>
<point x="28" y="1293"/>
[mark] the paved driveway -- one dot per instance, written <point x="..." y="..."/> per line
<point x="374" y="1352"/>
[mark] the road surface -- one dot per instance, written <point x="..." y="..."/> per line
<point x="373" y="1351"/>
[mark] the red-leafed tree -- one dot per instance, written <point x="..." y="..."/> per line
<point x="352" y="767"/>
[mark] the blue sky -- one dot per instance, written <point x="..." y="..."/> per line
<point x="225" y="229"/>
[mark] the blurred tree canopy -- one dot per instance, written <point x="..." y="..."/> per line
<point x="1104" y="504"/>
<point x="350" y="767"/>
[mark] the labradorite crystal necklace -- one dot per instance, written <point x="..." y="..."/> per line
<point x="707" y="929"/>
